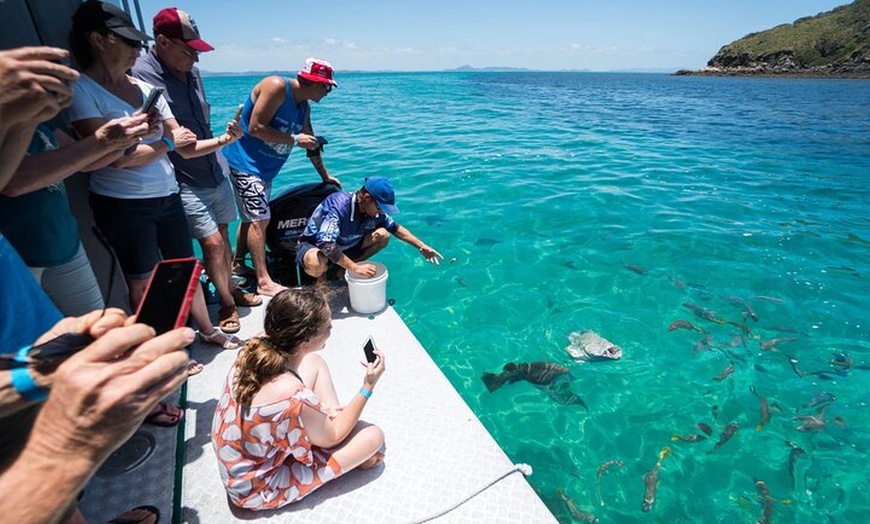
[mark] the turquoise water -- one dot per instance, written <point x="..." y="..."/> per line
<point x="571" y="201"/>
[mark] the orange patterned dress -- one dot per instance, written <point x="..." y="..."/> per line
<point x="265" y="458"/>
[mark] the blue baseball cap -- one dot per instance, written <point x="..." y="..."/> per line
<point x="382" y="191"/>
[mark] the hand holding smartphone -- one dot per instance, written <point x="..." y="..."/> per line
<point x="369" y="350"/>
<point x="148" y="106"/>
<point x="169" y="294"/>
<point x="151" y="101"/>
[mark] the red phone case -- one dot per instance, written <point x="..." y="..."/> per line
<point x="184" y="309"/>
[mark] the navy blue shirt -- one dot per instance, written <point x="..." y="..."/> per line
<point x="188" y="105"/>
<point x="336" y="220"/>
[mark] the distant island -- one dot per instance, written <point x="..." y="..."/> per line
<point x="834" y="44"/>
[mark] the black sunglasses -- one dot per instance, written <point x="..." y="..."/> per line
<point x="135" y="44"/>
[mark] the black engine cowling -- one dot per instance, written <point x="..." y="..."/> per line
<point x="290" y="213"/>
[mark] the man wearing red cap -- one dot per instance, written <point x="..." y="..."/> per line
<point x="206" y="192"/>
<point x="275" y="117"/>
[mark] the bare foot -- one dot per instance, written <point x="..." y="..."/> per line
<point x="270" y="290"/>
<point x="372" y="461"/>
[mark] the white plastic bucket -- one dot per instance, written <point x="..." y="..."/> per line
<point x="368" y="295"/>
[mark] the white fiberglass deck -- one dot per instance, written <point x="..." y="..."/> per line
<point x="438" y="453"/>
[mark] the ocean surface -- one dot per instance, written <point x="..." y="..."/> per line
<point x="621" y="203"/>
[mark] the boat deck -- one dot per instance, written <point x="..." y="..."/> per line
<point x="440" y="460"/>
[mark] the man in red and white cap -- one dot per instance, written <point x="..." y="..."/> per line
<point x="275" y="117"/>
<point x="205" y="189"/>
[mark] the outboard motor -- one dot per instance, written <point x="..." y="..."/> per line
<point x="290" y="213"/>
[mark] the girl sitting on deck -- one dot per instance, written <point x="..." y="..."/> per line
<point x="278" y="430"/>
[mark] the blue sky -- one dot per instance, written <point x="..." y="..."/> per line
<point x="423" y="36"/>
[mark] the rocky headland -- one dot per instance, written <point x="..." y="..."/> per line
<point x="834" y="44"/>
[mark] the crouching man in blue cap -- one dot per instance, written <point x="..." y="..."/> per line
<point x="347" y="228"/>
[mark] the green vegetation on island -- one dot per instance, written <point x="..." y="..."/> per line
<point x="831" y="44"/>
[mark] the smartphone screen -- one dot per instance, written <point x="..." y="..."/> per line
<point x="369" y="350"/>
<point x="169" y="294"/>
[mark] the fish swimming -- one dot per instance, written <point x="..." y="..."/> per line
<point x="704" y="313"/>
<point x="703" y="343"/>
<point x="589" y="345"/>
<point x="483" y="242"/>
<point x="561" y="392"/>
<point x="688" y="438"/>
<point x="576" y="513"/>
<point x="637" y="269"/>
<point x="795" y="453"/>
<point x="677" y="282"/>
<point x="823" y="398"/>
<point x="775" y="300"/>
<point x="601" y="469"/>
<point x="705" y="428"/>
<point x="540" y="372"/>
<point x="742" y="327"/>
<point x="651" y="480"/>
<point x="748" y="312"/>
<point x="766" y="501"/>
<point x="765" y="410"/>
<point x="683" y="324"/>
<point x="841" y="359"/>
<point x="725" y="372"/>
<point x="793" y="361"/>
<point x="816" y="421"/>
<point x="771" y="344"/>
<point x="727" y="433"/>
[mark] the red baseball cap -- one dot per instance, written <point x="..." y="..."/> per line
<point x="175" y="23"/>
<point x="317" y="70"/>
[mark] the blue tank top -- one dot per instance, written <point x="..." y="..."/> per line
<point x="253" y="156"/>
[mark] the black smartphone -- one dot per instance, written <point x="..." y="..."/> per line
<point x="48" y="354"/>
<point x="151" y="100"/>
<point x="321" y="140"/>
<point x="169" y="294"/>
<point x="369" y="350"/>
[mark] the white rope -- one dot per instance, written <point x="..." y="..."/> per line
<point x="525" y="469"/>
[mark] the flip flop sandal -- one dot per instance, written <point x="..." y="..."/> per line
<point x="220" y="339"/>
<point x="164" y="417"/>
<point x="151" y="516"/>
<point x="245" y="299"/>
<point x="229" y="319"/>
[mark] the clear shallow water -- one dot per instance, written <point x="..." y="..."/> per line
<point x="545" y="186"/>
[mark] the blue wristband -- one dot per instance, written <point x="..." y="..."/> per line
<point x="367" y="393"/>
<point x="168" y="141"/>
<point x="22" y="380"/>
